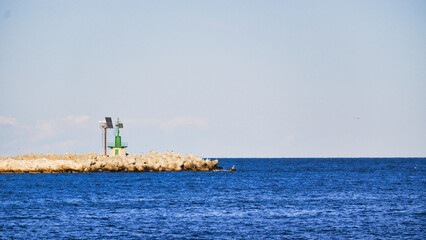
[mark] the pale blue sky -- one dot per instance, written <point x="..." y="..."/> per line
<point x="215" y="78"/>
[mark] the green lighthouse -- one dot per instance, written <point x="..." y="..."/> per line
<point x="118" y="149"/>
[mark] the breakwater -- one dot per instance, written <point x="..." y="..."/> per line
<point x="92" y="162"/>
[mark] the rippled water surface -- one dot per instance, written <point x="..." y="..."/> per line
<point x="265" y="198"/>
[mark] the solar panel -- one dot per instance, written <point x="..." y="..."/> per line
<point x="109" y="122"/>
<point x="120" y="125"/>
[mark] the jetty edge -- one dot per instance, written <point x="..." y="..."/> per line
<point x="93" y="162"/>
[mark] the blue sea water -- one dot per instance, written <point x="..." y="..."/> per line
<point x="263" y="199"/>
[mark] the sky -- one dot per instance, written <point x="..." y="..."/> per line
<point x="215" y="78"/>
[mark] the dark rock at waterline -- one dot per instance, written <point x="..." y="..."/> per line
<point x="232" y="169"/>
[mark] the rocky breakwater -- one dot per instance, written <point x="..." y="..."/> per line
<point x="92" y="162"/>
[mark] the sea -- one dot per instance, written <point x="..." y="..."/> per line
<point x="280" y="198"/>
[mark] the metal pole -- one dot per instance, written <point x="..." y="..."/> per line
<point x="105" y="134"/>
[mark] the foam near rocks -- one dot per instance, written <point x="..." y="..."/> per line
<point x="92" y="162"/>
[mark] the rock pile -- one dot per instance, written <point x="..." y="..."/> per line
<point x="92" y="162"/>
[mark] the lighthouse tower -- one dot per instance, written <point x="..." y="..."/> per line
<point x="117" y="148"/>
